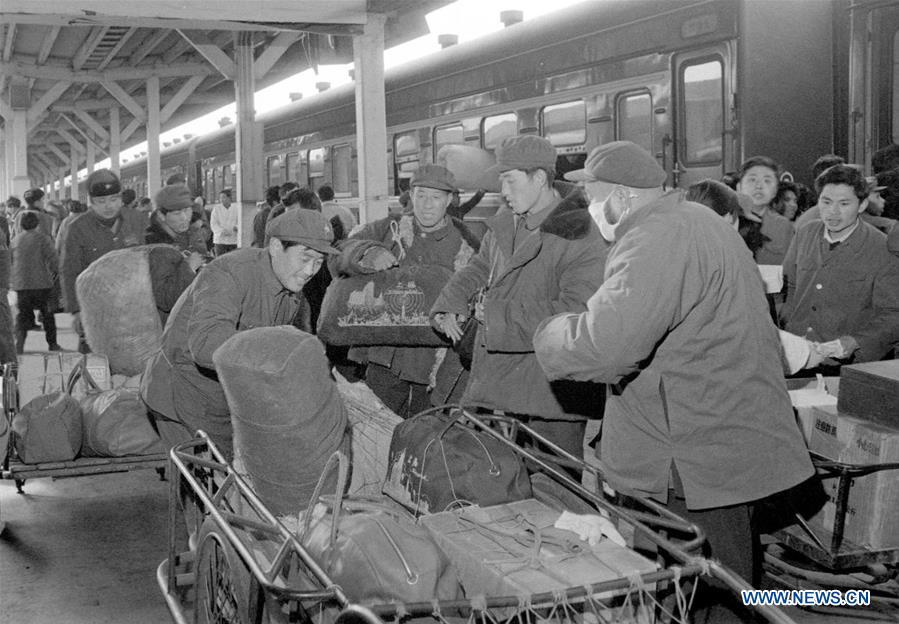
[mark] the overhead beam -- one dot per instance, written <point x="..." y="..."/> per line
<point x="88" y="46"/>
<point x="211" y="52"/>
<point x="148" y="45"/>
<point x="32" y="123"/>
<point x="73" y="140"/>
<point x="103" y="104"/>
<point x="81" y="131"/>
<point x="57" y="72"/>
<point x="9" y="40"/>
<point x="61" y="155"/>
<point x="130" y="129"/>
<point x="179" y="97"/>
<point x="115" y="49"/>
<point x="92" y="123"/>
<point x="125" y="100"/>
<point x="47" y="98"/>
<point x="323" y="28"/>
<point x="5" y="110"/>
<point x="275" y="50"/>
<point x="47" y="44"/>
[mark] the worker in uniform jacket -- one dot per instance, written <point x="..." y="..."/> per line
<point x="540" y="256"/>
<point x="401" y="376"/>
<point x="697" y="413"/>
<point x="103" y="228"/>
<point x="240" y="290"/>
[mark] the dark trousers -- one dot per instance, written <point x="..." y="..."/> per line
<point x="220" y="250"/>
<point x="7" y="340"/>
<point x="29" y="301"/>
<point x="405" y="398"/>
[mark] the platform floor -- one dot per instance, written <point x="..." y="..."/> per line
<point x="85" y="550"/>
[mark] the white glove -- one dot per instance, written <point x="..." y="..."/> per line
<point x="589" y="528"/>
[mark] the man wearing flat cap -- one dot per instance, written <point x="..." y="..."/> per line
<point x="241" y="290"/>
<point x="697" y="412"/>
<point x="104" y="227"/>
<point x="34" y="201"/>
<point x="402" y="376"/>
<point x="171" y="222"/>
<point x="541" y="255"/>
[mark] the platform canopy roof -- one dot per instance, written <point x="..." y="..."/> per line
<point x="68" y="62"/>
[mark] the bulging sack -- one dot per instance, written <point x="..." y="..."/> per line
<point x="287" y="414"/>
<point x="386" y="308"/>
<point x="116" y="425"/>
<point x="48" y="429"/>
<point x="437" y="463"/>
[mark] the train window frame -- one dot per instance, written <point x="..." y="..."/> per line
<point x="436" y="144"/>
<point x="684" y="154"/>
<point x="292" y="163"/>
<point x="312" y="174"/>
<point x="278" y="160"/>
<point x="548" y="134"/>
<point x="501" y="118"/>
<point x="625" y="96"/>
<point x="401" y="151"/>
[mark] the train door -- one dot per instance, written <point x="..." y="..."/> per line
<point x="705" y="136"/>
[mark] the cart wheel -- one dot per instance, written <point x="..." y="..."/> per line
<point x="20" y="483"/>
<point x="217" y="601"/>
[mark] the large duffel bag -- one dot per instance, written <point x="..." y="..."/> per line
<point x="375" y="550"/>
<point x="385" y="308"/>
<point x="437" y="462"/>
<point x="48" y="429"/>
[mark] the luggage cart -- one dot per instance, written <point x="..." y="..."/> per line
<point x="806" y="557"/>
<point x="13" y="469"/>
<point x="244" y="565"/>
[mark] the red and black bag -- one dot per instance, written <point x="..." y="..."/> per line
<point x="437" y="462"/>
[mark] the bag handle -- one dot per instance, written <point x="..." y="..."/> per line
<point x="342" y="463"/>
<point x="80" y="371"/>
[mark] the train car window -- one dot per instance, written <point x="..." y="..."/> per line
<point x="565" y="124"/>
<point x="406" y="144"/>
<point x="219" y="174"/>
<point x="275" y="175"/>
<point x="702" y="106"/>
<point x="341" y="157"/>
<point x="292" y="170"/>
<point x="497" y="127"/>
<point x="634" y="116"/>
<point x="228" y="179"/>
<point x="448" y="135"/>
<point x="316" y="165"/>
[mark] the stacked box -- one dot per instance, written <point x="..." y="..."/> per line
<point x="806" y="394"/>
<point x="871" y="391"/>
<point x="874" y="499"/>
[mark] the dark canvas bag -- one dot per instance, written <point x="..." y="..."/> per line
<point x="48" y="429"/>
<point x="374" y="550"/>
<point x="436" y="462"/>
<point x="385" y="308"/>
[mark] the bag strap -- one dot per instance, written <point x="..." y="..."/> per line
<point x="342" y="463"/>
<point x="80" y="371"/>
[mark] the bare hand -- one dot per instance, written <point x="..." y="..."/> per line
<point x="378" y="259"/>
<point x="448" y="323"/>
<point x="815" y="357"/>
<point x="479" y="311"/>
<point x="194" y="261"/>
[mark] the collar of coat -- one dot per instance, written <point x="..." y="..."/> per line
<point x="406" y="223"/>
<point x="569" y="219"/>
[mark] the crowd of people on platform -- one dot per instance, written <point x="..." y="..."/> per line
<point x="601" y="295"/>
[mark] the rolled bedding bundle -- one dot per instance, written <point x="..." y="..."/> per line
<point x="287" y="413"/>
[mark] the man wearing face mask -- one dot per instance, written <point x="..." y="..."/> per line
<point x="104" y="227"/>
<point x="240" y="290"/>
<point x="401" y="376"/>
<point x="697" y="412"/>
<point x="542" y="255"/>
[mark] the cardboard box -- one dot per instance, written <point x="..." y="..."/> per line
<point x="873" y="506"/>
<point x="43" y="373"/>
<point x="808" y="393"/>
<point x="871" y="391"/>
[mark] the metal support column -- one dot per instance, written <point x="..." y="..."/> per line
<point x="371" y="119"/>
<point x="19" y="161"/>
<point x="91" y="157"/>
<point x="248" y="135"/>
<point x="73" y="171"/>
<point x="4" y="189"/>
<point x="115" y="139"/>
<point x="154" y="183"/>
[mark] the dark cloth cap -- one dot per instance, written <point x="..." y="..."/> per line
<point x="33" y="195"/>
<point x="435" y="177"/>
<point x="524" y="152"/>
<point x="306" y="227"/>
<point x="172" y="198"/>
<point x="620" y="162"/>
<point x="103" y="182"/>
<point x="13" y="201"/>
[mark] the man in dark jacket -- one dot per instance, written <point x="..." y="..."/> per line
<point x="272" y="197"/>
<point x="104" y="227"/>
<point x="7" y="342"/>
<point x="541" y="256"/>
<point x="171" y="223"/>
<point x="34" y="269"/>
<point x="402" y="376"/>
<point x="240" y="290"/>
<point x="697" y="413"/>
